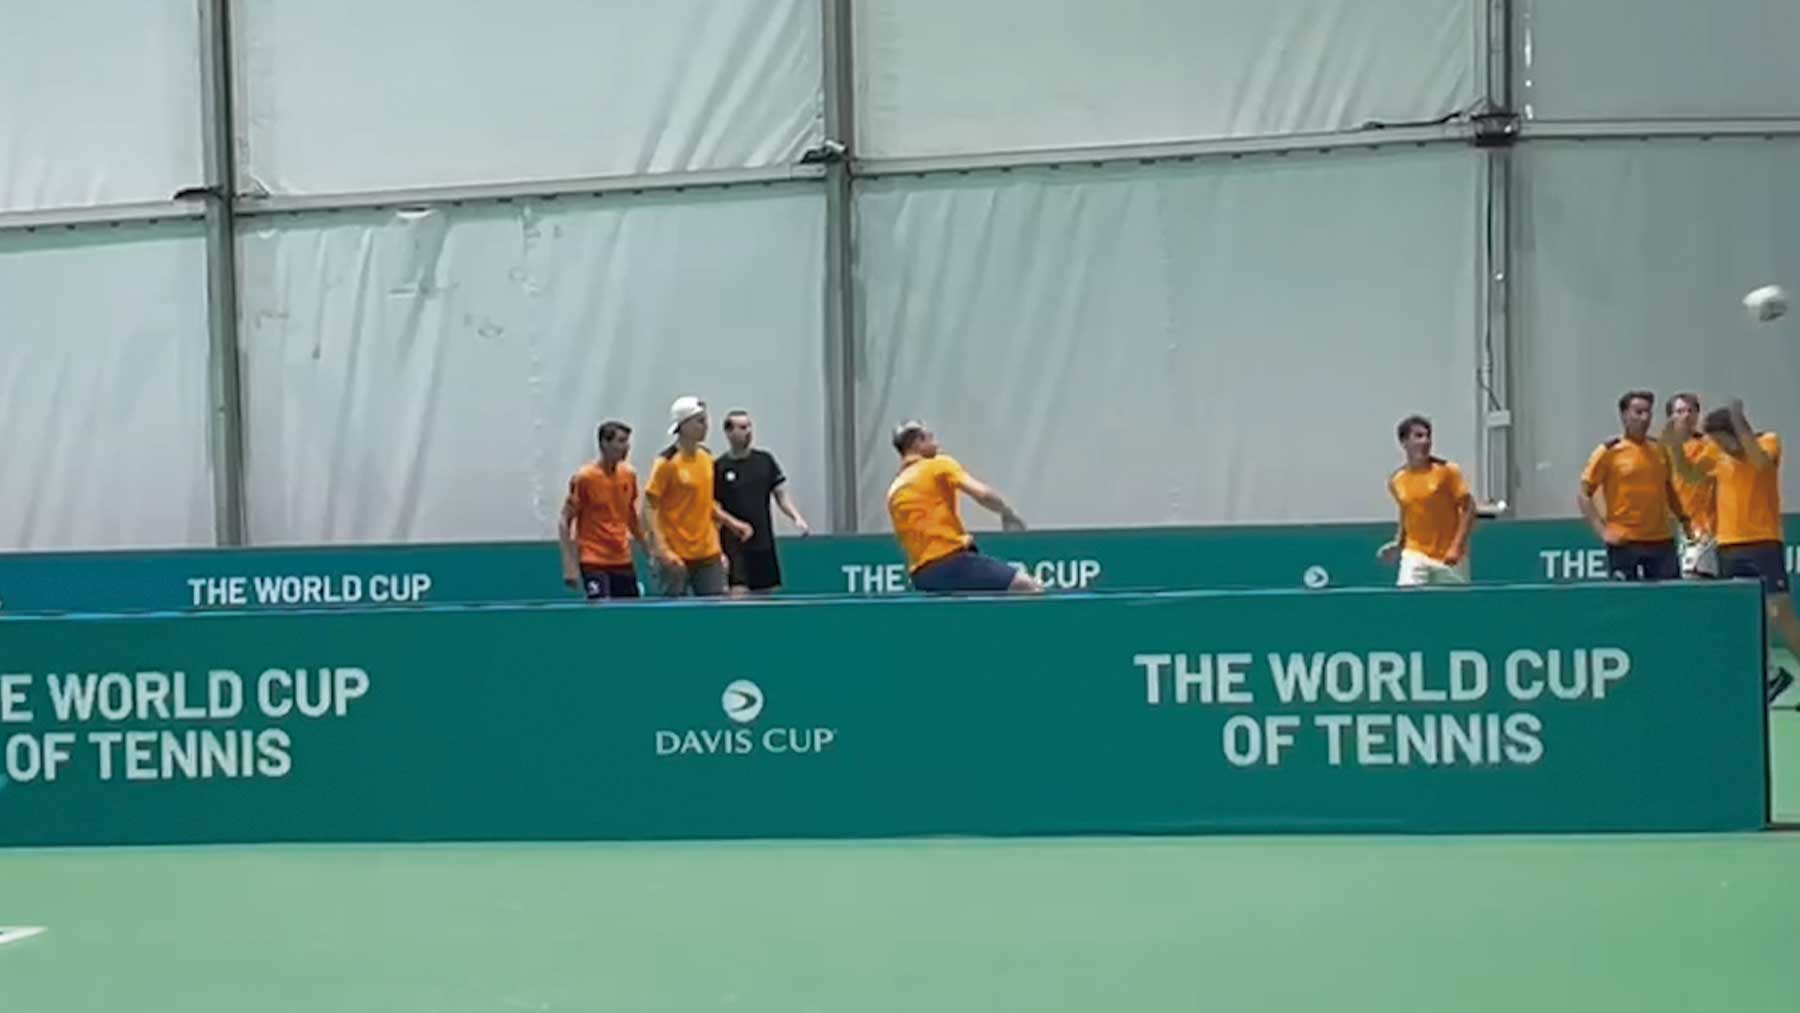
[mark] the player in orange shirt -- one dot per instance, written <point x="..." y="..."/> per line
<point x="1436" y="513"/>
<point x="1632" y="473"/>
<point x="1681" y="435"/>
<point x="1746" y="467"/>
<point x="922" y="502"/>
<point x="680" y="513"/>
<point x="600" y="521"/>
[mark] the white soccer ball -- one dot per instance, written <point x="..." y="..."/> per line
<point x="1766" y="303"/>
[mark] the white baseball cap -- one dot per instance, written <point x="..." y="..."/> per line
<point x="684" y="408"/>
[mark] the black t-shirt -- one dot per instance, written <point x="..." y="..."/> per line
<point x="743" y="485"/>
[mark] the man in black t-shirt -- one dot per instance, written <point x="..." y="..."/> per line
<point x="744" y="481"/>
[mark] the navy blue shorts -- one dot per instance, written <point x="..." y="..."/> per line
<point x="1644" y="561"/>
<point x="1766" y="561"/>
<point x="965" y="571"/>
<point x="602" y="584"/>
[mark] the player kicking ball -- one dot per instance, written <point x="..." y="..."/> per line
<point x="1745" y="467"/>
<point x="1437" y="513"/>
<point x="922" y="503"/>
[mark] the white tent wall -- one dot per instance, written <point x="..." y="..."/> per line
<point x="465" y="346"/>
<point x="1612" y="60"/>
<point x="103" y="389"/>
<point x="91" y="117"/>
<point x="1631" y="261"/>
<point x="1224" y="342"/>
<point x="342" y="96"/>
<point x="437" y="375"/>
<point x="947" y="77"/>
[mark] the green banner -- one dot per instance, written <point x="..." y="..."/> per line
<point x="1317" y="556"/>
<point x="1478" y="710"/>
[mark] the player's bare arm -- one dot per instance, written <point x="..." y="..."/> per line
<point x="786" y="504"/>
<point x="1753" y="451"/>
<point x="657" y="543"/>
<point x="1465" y="525"/>
<point x="990" y="498"/>
<point x="1590" y="512"/>
<point x="1673" y="442"/>
<point x="565" y="537"/>
<point x="737" y="527"/>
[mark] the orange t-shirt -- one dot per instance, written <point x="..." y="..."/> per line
<point x="1697" y="497"/>
<point x="1748" y="498"/>
<point x="1430" y="506"/>
<point x="1634" y="478"/>
<point x="605" y="508"/>
<point x="681" y="491"/>
<point x="922" y="504"/>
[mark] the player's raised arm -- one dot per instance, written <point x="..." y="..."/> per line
<point x="1675" y="442"/>
<point x="1754" y="454"/>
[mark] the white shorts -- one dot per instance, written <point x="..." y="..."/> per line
<point x="1700" y="557"/>
<point x="1419" y="570"/>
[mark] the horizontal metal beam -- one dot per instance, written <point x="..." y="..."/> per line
<point x="101" y="215"/>
<point x="1164" y="151"/>
<point x="1582" y="130"/>
<point x="526" y="190"/>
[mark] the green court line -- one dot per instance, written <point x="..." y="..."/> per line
<point x="1279" y="924"/>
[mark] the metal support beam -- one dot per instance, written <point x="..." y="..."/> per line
<point x="1599" y="130"/>
<point x="1455" y="132"/>
<point x="1498" y="59"/>
<point x="1494" y="356"/>
<point x="226" y="418"/>
<point x="101" y="216"/>
<point x="549" y="189"/>
<point x="1494" y="364"/>
<point x="843" y="324"/>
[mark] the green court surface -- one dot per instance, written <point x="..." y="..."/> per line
<point x="1293" y="923"/>
<point x="1149" y="924"/>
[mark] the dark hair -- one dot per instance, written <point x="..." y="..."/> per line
<point x="1629" y="396"/>
<point x="736" y="413"/>
<point x="908" y="436"/>
<point x="608" y="430"/>
<point x="1693" y="402"/>
<point x="1718" y="421"/>
<point x="1411" y="422"/>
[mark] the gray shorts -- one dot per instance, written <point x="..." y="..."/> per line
<point x="704" y="579"/>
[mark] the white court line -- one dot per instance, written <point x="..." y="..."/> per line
<point x="14" y="934"/>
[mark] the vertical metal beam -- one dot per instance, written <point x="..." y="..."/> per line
<point x="1497" y="337"/>
<point x="842" y="321"/>
<point x="1496" y="257"/>
<point x="226" y="426"/>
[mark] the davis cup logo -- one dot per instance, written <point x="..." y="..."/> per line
<point x="743" y="701"/>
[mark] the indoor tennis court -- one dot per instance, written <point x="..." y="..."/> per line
<point x="1296" y="922"/>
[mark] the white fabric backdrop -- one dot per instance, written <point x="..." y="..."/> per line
<point x="1633" y="259"/>
<point x="948" y="76"/>
<point x="438" y="375"/>
<point x="1227" y="342"/>
<point x="99" y="102"/>
<point x="1657" y="59"/>
<point x="350" y="95"/>
<point x="103" y="389"/>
